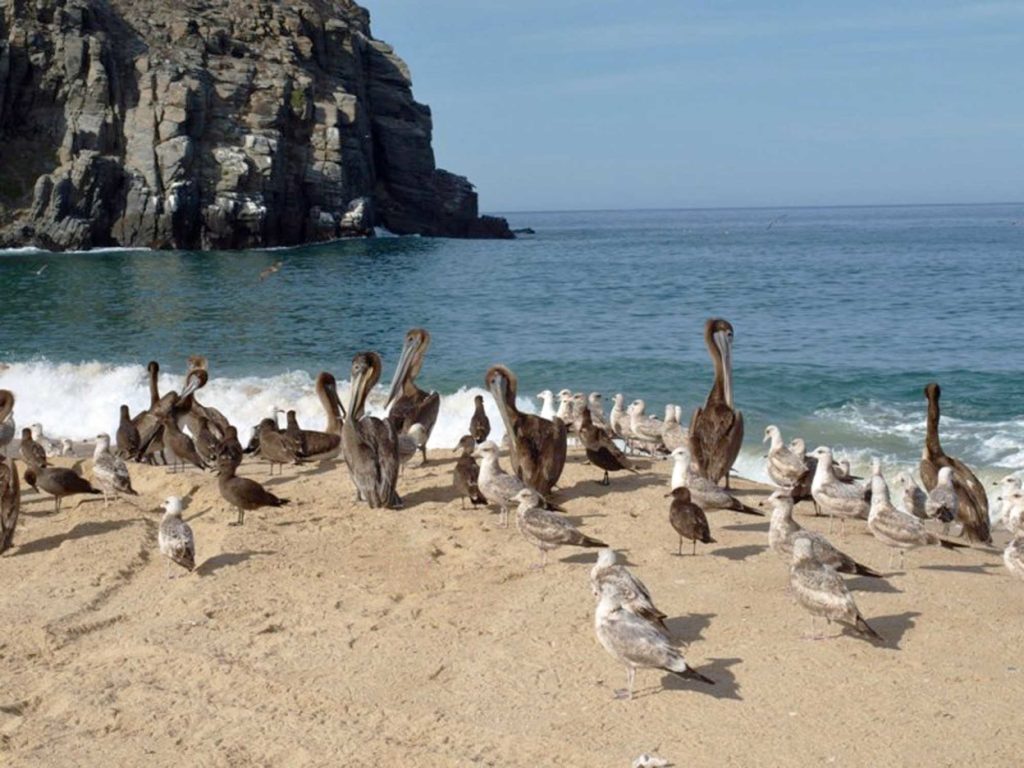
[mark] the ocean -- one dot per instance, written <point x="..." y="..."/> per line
<point x="841" y="316"/>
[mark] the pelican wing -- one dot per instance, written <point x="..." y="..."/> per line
<point x="10" y="503"/>
<point x="716" y="433"/>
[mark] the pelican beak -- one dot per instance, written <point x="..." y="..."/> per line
<point x="409" y="350"/>
<point x="190" y="386"/>
<point x="724" y="343"/>
<point x="499" y="388"/>
<point x="356" y="398"/>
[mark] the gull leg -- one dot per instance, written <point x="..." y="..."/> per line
<point x="606" y="481"/>
<point x="627" y="692"/>
<point x="680" y="552"/>
<point x="694" y="553"/>
<point x="903" y="554"/>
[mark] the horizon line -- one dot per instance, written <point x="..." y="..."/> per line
<point x="752" y="207"/>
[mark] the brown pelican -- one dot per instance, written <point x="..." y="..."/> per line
<point x="276" y="447"/>
<point x="897" y="529"/>
<point x="547" y="530"/>
<point x="716" y="430"/>
<point x="109" y="472"/>
<point x="189" y="411"/>
<point x="784" y="530"/>
<point x="467" y="473"/>
<point x="10" y="502"/>
<point x="636" y="642"/>
<point x="319" y="446"/>
<point x="370" y="444"/>
<point x="688" y="520"/>
<point x="479" y="424"/>
<point x="407" y="403"/>
<point x="148" y="422"/>
<point x="58" y="482"/>
<point x="636" y="598"/>
<point x="31" y="451"/>
<point x="175" y="537"/>
<point x="7" y="428"/>
<point x="601" y="451"/>
<point x="242" y="493"/>
<point x="538" y="445"/>
<point x="822" y="592"/>
<point x="972" y="509"/>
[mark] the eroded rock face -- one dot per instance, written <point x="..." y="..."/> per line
<point x="213" y="124"/>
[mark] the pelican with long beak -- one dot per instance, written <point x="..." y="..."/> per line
<point x="538" y="445"/>
<point x="716" y="430"/>
<point x="7" y="428"/>
<point x="408" y="404"/>
<point x="370" y="444"/>
<point x="313" y="444"/>
<point x="972" y="507"/>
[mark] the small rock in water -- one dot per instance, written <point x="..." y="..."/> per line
<point x="650" y="761"/>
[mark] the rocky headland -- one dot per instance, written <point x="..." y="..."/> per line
<point x="213" y="124"/>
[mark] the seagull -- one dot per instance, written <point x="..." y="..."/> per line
<point x="1013" y="555"/>
<point x="546" y="530"/>
<point x="784" y="530"/>
<point x="547" y="410"/>
<point x="52" y="449"/>
<point x="645" y="428"/>
<point x="834" y="497"/>
<point x="636" y="642"/>
<point x="896" y="529"/>
<point x="496" y="485"/>
<point x="688" y="519"/>
<point x="634" y="593"/>
<point x="822" y="592"/>
<point x="785" y="468"/>
<point x="271" y="270"/>
<point x="914" y="496"/>
<point x="703" y="492"/>
<point x="109" y="472"/>
<point x="942" y="502"/>
<point x="1008" y="502"/>
<point x="673" y="435"/>
<point x="175" y="537"/>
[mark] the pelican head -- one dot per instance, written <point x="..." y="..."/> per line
<point x="718" y="336"/>
<point x="365" y="375"/>
<point x="502" y="384"/>
<point x="417" y="340"/>
<point x="153" y="367"/>
<point x="328" y="385"/>
<point x="172" y="506"/>
<point x="196" y="379"/>
<point x="932" y="392"/>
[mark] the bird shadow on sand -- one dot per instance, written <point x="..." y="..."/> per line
<point x="213" y="564"/>
<point x="322" y="467"/>
<point x="869" y="584"/>
<point x="80" y="531"/>
<point x="592" y="489"/>
<point x="435" y="494"/>
<point x="739" y="553"/>
<point x="270" y="482"/>
<point x="892" y="628"/>
<point x="749" y="527"/>
<point x="725" y="686"/>
<point x="586" y="557"/>
<point x="980" y="569"/>
<point x="689" y="628"/>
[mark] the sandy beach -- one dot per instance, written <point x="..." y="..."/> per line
<point x="326" y="633"/>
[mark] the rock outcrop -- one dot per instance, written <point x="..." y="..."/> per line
<point x="213" y="124"/>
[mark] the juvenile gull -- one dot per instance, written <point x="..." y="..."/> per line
<point x="912" y="495"/>
<point x="1013" y="506"/>
<point x="276" y="447"/>
<point x="479" y="424"/>
<point x="618" y="420"/>
<point x="175" y="537"/>
<point x="634" y="593"/>
<point x="601" y="451"/>
<point x="785" y="468"/>
<point x="636" y="642"/>
<point x="547" y="530"/>
<point x="109" y="472"/>
<point x="242" y="493"/>
<point x="643" y="427"/>
<point x="52" y="449"/>
<point x="688" y="520"/>
<point x="497" y="485"/>
<point x="896" y="529"/>
<point x="32" y="452"/>
<point x="706" y="494"/>
<point x="1013" y="555"/>
<point x="822" y="592"/>
<point x="833" y="497"/>
<point x="596" y="404"/>
<point x="466" y="476"/>
<point x="58" y="482"/>
<point x="784" y="530"/>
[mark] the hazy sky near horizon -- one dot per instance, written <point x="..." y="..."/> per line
<point x="565" y="104"/>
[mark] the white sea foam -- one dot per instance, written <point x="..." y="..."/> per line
<point x="81" y="400"/>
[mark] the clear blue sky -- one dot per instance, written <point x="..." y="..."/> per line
<point x="563" y="104"/>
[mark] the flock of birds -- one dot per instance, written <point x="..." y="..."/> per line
<point x="178" y="430"/>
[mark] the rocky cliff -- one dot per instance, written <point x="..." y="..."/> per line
<point x="213" y="124"/>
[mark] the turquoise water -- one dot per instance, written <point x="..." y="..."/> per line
<point x="841" y="316"/>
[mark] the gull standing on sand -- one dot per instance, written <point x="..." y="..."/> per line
<point x="547" y="408"/>
<point x="600" y="450"/>
<point x="942" y="502"/>
<point x="784" y="530"/>
<point x="52" y="449"/>
<point x="7" y="428"/>
<point x="1013" y="555"/>
<point x="634" y="593"/>
<point x="31" y="452"/>
<point x="242" y="493"/>
<point x="703" y="492"/>
<point x="175" y="537"/>
<point x="479" y="424"/>
<point x="834" y="497"/>
<point x="672" y="433"/>
<point x="547" y="530"/>
<point x="109" y="472"/>
<point x="636" y="642"/>
<point x="409" y="442"/>
<point x="785" y="468"/>
<point x="643" y="427"/>
<point x="688" y="520"/>
<point x="466" y="476"/>
<point x="896" y="529"/>
<point x="618" y="420"/>
<point x="913" y="496"/>
<point x="58" y="482"/>
<point x="497" y="485"/>
<point x="596" y="405"/>
<point x="1009" y="499"/>
<point x="822" y="592"/>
